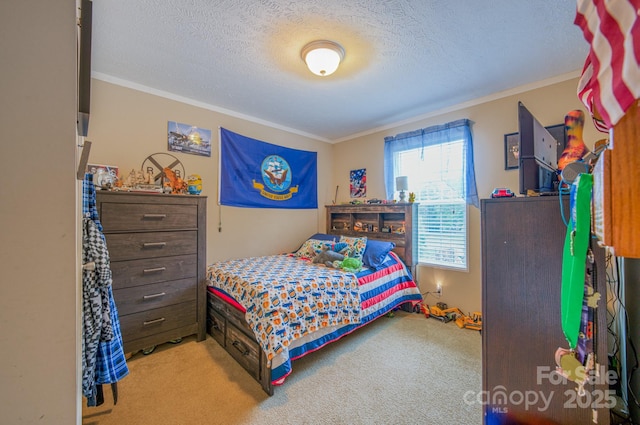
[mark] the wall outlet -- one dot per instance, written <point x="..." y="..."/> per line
<point x="439" y="289"/>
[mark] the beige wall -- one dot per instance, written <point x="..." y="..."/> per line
<point x="39" y="380"/>
<point x="492" y="119"/>
<point x="128" y="125"/>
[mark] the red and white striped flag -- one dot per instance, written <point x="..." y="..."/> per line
<point x="610" y="79"/>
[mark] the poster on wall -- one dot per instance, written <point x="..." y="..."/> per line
<point x="189" y="139"/>
<point x="358" y="183"/>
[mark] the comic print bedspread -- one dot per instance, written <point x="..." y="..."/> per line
<point x="380" y="290"/>
<point x="286" y="298"/>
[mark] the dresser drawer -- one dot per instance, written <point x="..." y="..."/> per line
<point x="117" y="216"/>
<point x="132" y="246"/>
<point x="150" y="322"/>
<point x="245" y="350"/>
<point x="233" y="315"/>
<point x="215" y="303"/>
<point x="145" y="297"/>
<point x="238" y="319"/>
<point x="151" y="270"/>
<point x="216" y="326"/>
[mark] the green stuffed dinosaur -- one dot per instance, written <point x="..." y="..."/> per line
<point x="349" y="264"/>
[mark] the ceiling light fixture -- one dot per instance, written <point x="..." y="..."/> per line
<point x="322" y="57"/>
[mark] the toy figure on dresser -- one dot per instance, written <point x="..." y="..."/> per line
<point x="174" y="183"/>
<point x="194" y="184"/>
<point x="138" y="181"/>
<point x="134" y="179"/>
<point x="142" y="178"/>
<point x="103" y="179"/>
<point x="148" y="177"/>
<point x="576" y="157"/>
<point x="576" y="148"/>
<point x="129" y="180"/>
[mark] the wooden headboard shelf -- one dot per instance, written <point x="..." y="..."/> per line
<point x="371" y="219"/>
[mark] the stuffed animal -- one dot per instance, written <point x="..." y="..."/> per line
<point x="349" y="264"/>
<point x="575" y="149"/>
<point x="328" y="257"/>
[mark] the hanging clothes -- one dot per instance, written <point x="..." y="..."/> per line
<point x="96" y="279"/>
<point x="102" y="348"/>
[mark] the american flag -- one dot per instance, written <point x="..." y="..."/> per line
<point x="610" y="80"/>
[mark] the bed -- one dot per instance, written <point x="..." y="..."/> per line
<point x="268" y="311"/>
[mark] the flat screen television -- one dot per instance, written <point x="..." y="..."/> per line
<point x="539" y="150"/>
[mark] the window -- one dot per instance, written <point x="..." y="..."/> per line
<point x="437" y="179"/>
<point x="438" y="162"/>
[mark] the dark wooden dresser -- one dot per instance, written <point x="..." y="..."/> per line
<point x="522" y="246"/>
<point x="157" y="246"/>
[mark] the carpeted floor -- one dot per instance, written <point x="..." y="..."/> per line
<point x="397" y="370"/>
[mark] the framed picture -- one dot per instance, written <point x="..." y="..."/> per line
<point x="101" y="168"/>
<point x="512" y="145"/>
<point x="103" y="175"/>
<point x="188" y="138"/>
<point x="511" y="150"/>
<point x="358" y="183"/>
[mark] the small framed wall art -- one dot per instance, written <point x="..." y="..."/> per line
<point x="511" y="150"/>
<point x="358" y="183"/>
<point x="188" y="138"/>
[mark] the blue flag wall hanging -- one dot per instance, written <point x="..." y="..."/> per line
<point x="256" y="174"/>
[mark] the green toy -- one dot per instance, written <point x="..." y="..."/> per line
<point x="349" y="264"/>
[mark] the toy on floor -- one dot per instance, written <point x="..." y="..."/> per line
<point x="441" y="312"/>
<point x="472" y="321"/>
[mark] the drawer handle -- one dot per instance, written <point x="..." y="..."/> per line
<point x="148" y="297"/>
<point x="155" y="216"/>
<point x="154" y="244"/>
<point x="155" y="270"/>
<point x="240" y="347"/>
<point x="151" y="322"/>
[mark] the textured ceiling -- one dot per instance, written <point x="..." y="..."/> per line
<point x="404" y="58"/>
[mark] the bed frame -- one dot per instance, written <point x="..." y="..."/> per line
<point x="228" y="326"/>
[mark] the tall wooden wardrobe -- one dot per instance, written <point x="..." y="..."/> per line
<point x="522" y="245"/>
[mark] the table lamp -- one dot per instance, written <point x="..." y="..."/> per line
<point x="402" y="184"/>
